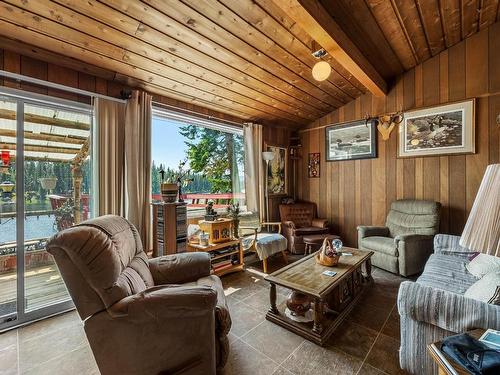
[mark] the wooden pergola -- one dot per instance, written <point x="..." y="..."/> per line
<point x="52" y="137"/>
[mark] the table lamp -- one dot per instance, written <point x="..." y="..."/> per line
<point x="482" y="230"/>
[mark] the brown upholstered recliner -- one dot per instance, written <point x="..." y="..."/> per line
<point x="299" y="219"/>
<point x="142" y="316"/>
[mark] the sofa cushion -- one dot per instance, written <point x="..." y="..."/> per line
<point x="483" y="264"/>
<point x="384" y="245"/>
<point x="448" y="273"/>
<point x="486" y="289"/>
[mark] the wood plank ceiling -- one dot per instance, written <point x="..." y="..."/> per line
<point x="247" y="58"/>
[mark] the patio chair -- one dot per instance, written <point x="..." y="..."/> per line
<point x="264" y="244"/>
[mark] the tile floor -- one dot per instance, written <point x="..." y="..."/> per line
<point x="367" y="342"/>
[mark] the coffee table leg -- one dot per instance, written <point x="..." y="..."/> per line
<point x="272" y="297"/>
<point x="318" y="316"/>
<point x="366" y="270"/>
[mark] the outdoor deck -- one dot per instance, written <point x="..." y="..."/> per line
<point x="44" y="286"/>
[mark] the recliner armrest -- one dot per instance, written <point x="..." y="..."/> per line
<point x="447" y="310"/>
<point x="320" y="223"/>
<point x="160" y="302"/>
<point x="180" y="268"/>
<point x="370" y="231"/>
<point x="412" y="238"/>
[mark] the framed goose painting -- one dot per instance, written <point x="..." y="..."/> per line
<point x="442" y="130"/>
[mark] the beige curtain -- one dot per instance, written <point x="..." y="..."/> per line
<point x="138" y="112"/>
<point x="110" y="155"/>
<point x="254" y="168"/>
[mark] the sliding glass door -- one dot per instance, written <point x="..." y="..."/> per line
<point x="45" y="186"/>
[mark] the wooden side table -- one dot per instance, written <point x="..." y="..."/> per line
<point x="446" y="365"/>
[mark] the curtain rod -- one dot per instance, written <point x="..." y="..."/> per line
<point x="41" y="82"/>
<point x="213" y="118"/>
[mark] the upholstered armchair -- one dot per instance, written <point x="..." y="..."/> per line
<point x="299" y="220"/>
<point x="405" y="243"/>
<point x="142" y="316"/>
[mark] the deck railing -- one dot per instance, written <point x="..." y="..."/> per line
<point x="200" y="200"/>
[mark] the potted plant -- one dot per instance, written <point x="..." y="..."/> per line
<point x="48" y="183"/>
<point x="65" y="215"/>
<point x="233" y="211"/>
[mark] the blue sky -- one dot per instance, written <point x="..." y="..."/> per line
<point x="168" y="146"/>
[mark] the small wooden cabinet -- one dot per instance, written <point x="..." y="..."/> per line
<point x="169" y="228"/>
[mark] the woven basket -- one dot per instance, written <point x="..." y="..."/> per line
<point x="324" y="259"/>
<point x="327" y="261"/>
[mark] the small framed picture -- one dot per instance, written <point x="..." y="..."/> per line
<point x="442" y="130"/>
<point x="351" y="140"/>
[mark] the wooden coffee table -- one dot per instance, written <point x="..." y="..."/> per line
<point x="332" y="297"/>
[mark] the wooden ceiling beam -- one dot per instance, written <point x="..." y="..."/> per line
<point x="283" y="19"/>
<point x="37" y="148"/>
<point x="71" y="139"/>
<point x="313" y="18"/>
<point x="267" y="24"/>
<point x="43" y="120"/>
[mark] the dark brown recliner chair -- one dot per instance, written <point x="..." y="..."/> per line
<point x="142" y="316"/>
<point x="299" y="220"/>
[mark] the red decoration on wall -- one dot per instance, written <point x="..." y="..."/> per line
<point x="313" y="165"/>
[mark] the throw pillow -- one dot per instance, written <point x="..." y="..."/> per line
<point x="483" y="264"/>
<point x="486" y="289"/>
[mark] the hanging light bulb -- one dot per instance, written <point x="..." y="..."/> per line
<point x="321" y="70"/>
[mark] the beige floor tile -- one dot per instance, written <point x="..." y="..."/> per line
<point x="8" y="338"/>
<point x="244" y="318"/>
<point x="282" y="371"/>
<point x="353" y="339"/>
<point x="313" y="359"/>
<point x="273" y="340"/>
<point x="49" y="325"/>
<point x="245" y="360"/>
<point x="43" y="348"/>
<point x="260" y="300"/>
<point x="369" y="370"/>
<point x="8" y="360"/>
<point x="79" y="361"/>
<point x="385" y="355"/>
<point x="369" y="316"/>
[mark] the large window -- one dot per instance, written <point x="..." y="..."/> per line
<point x="210" y="152"/>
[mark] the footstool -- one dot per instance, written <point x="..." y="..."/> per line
<point x="316" y="240"/>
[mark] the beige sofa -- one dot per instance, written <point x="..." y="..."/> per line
<point x="142" y="316"/>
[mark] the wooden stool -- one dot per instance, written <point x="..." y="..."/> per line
<point x="316" y="240"/>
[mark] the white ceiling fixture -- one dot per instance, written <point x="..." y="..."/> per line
<point x="321" y="70"/>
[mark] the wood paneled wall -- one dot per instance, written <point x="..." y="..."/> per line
<point x="350" y="193"/>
